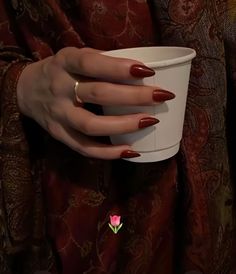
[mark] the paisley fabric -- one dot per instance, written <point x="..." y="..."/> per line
<point x="209" y="27"/>
<point x="177" y="214"/>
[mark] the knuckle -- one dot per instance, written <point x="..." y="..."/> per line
<point x="59" y="58"/>
<point x="54" y="87"/>
<point x="82" y="62"/>
<point x="80" y="149"/>
<point x="53" y="129"/>
<point x="53" y="111"/>
<point x="84" y="59"/>
<point x="99" y="92"/>
<point x="83" y="152"/>
<point x="85" y="128"/>
<point x="143" y="97"/>
<point x="94" y="94"/>
<point x="85" y="50"/>
<point x="88" y="128"/>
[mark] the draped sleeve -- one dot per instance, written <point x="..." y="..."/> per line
<point x="208" y="144"/>
<point x="20" y="196"/>
<point x="30" y="31"/>
<point x="22" y="41"/>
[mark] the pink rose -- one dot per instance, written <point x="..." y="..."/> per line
<point x="115" y="220"/>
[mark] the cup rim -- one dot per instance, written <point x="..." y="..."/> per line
<point x="190" y="54"/>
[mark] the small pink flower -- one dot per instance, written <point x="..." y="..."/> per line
<point x="115" y="224"/>
<point x="115" y="220"/>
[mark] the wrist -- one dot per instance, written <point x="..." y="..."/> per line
<point x="22" y="86"/>
<point x="11" y="77"/>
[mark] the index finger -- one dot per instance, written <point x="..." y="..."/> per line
<point x="92" y="63"/>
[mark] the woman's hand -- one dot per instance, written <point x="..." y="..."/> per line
<point x="45" y="92"/>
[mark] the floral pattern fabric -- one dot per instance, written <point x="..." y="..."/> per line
<point x="177" y="214"/>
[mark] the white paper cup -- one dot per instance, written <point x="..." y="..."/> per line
<point x="172" y="66"/>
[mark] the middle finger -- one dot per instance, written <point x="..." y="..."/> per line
<point x="106" y="94"/>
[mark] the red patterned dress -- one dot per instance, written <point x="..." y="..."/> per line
<point x="177" y="214"/>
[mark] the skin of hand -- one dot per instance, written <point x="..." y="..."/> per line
<point x="45" y="93"/>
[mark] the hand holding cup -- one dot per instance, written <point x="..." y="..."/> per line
<point x="46" y="93"/>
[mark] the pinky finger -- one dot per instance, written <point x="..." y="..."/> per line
<point x="87" y="147"/>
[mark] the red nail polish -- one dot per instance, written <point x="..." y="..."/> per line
<point x="129" y="154"/>
<point x="160" y="95"/>
<point x="141" y="71"/>
<point x="147" y="122"/>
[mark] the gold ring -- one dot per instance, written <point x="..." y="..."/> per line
<point x="76" y="89"/>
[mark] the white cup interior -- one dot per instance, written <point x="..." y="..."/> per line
<point x="155" y="56"/>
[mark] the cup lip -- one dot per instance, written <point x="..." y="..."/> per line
<point x="190" y="54"/>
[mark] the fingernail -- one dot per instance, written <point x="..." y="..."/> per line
<point x="147" y="122"/>
<point x="141" y="71"/>
<point x="129" y="154"/>
<point x="160" y="95"/>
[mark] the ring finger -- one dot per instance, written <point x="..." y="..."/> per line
<point x="88" y="123"/>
